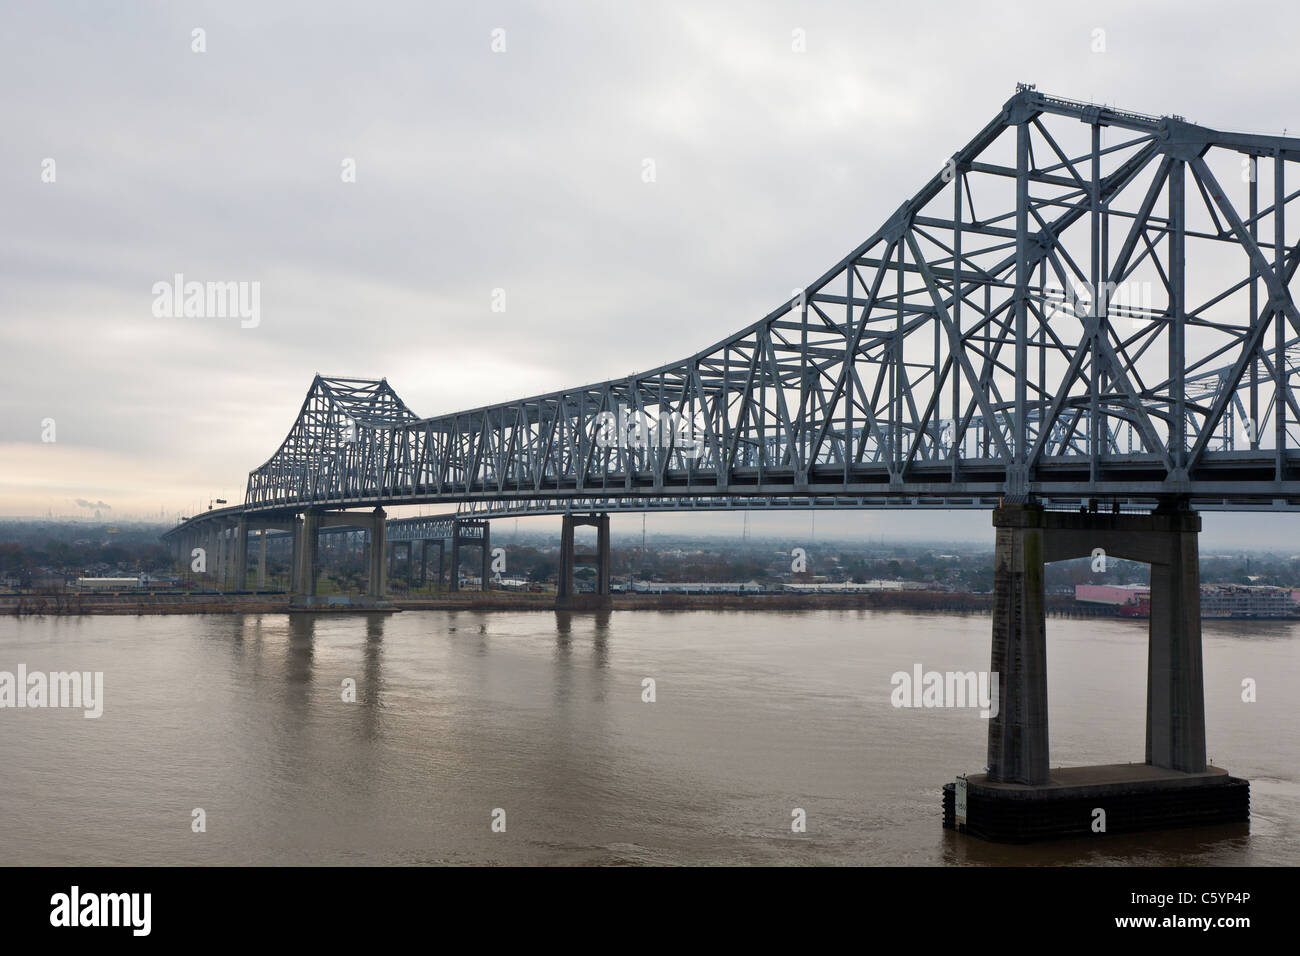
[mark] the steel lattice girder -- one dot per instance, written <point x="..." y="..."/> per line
<point x="1079" y="304"/>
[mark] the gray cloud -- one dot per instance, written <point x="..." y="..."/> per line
<point x="478" y="171"/>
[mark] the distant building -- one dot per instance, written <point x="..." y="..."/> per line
<point x="1217" y="600"/>
<point x="1115" y="595"/>
<point x="120" y="583"/>
<point x="697" y="587"/>
<point x="845" y="587"/>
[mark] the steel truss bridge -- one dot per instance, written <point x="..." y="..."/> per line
<point x="1082" y="304"/>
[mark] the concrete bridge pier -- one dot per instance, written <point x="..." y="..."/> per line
<point x="1175" y="665"/>
<point x="306" y="556"/>
<point x="260" y="527"/>
<point x="1021" y="797"/>
<point x="473" y="533"/>
<point x="306" y="551"/>
<point x="228" y="555"/>
<point x="424" y="559"/>
<point x="408" y="548"/>
<point x="219" y="553"/>
<point x="378" y="583"/>
<point x="261" y="559"/>
<point x="1028" y="538"/>
<point x="209" y="547"/>
<point x="239" y="564"/>
<point x="1017" y="743"/>
<point x="570" y="556"/>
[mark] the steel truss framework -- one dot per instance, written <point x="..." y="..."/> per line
<point x="1083" y="303"/>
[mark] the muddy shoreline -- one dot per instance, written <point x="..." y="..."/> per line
<point x="270" y="603"/>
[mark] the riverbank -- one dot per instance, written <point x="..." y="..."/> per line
<point x="72" y="603"/>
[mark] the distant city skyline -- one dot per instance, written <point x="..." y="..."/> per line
<point x="1222" y="531"/>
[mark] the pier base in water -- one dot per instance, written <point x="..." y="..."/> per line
<point x="1094" y="801"/>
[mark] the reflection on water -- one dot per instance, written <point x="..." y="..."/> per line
<point x="455" y="714"/>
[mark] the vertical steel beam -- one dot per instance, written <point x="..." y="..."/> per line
<point x="1253" y="435"/>
<point x="1279" y="319"/>
<point x="1098" y="301"/>
<point x="1177" y="313"/>
<point x="955" y="344"/>
<point x="1016" y="480"/>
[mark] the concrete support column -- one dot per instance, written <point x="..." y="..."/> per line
<point x="564" y="584"/>
<point x="306" y="555"/>
<point x="1018" y="740"/>
<point x="261" y="559"/>
<point x="378" y="541"/>
<point x="1028" y="537"/>
<point x="454" y="586"/>
<point x="1175" y="669"/>
<point x="240" y="564"/>
<point x="295" y="555"/>
<point x="221" y="556"/>
<point x="425" y="544"/>
<point x="442" y="559"/>
<point x="475" y="533"/>
<point x="602" y="555"/>
<point x="210" y="552"/>
<point x="401" y="560"/>
<point x="569" y="555"/>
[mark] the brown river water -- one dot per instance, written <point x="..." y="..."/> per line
<point x="537" y="720"/>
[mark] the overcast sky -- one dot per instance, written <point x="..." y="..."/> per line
<point x="479" y="170"/>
